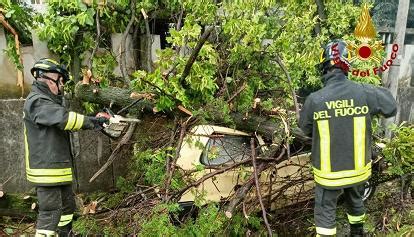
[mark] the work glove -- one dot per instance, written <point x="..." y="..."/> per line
<point x="100" y="120"/>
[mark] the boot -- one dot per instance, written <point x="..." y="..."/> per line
<point x="357" y="230"/>
<point x="45" y="233"/>
<point x="65" y="231"/>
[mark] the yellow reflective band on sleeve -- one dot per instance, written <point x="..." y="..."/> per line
<point x="79" y="122"/>
<point x="46" y="172"/>
<point x="325" y="145"/>
<point x="342" y="181"/>
<point x="71" y="121"/>
<point x="343" y="173"/>
<point x="26" y="147"/>
<point x="359" y="142"/>
<point x="49" y="179"/>
<point x="325" y="231"/>
<point x="65" y="219"/>
<point x="356" y="219"/>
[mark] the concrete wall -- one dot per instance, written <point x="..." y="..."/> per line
<point x="94" y="149"/>
<point x="8" y="73"/>
<point x="12" y="146"/>
<point x="405" y="95"/>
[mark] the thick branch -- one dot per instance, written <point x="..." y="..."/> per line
<point x="122" y="61"/>
<point x="292" y="90"/>
<point x="195" y="52"/>
<point x="322" y="16"/>
<point x="149" y="41"/>
<point x="98" y="37"/>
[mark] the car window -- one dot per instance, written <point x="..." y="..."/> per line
<point x="221" y="149"/>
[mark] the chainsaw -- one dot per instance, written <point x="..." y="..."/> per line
<point x="117" y="124"/>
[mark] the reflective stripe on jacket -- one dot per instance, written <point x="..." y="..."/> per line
<point x="47" y="146"/>
<point x="339" y="119"/>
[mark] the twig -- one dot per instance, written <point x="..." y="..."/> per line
<point x="256" y="180"/>
<point x="287" y="131"/>
<point x="242" y="191"/>
<point x="117" y="149"/>
<point x="129" y="106"/>
<point x="237" y="92"/>
<point x="194" y="53"/>
<point x="122" y="60"/>
<point x="160" y="89"/>
<point x="167" y="73"/>
<point x="98" y="36"/>
<point x="295" y="100"/>
<point x="4" y="183"/>
<point x="174" y="161"/>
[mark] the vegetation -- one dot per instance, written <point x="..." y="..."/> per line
<point x="225" y="58"/>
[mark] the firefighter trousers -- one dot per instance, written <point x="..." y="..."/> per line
<point x="56" y="208"/>
<point x="325" y="208"/>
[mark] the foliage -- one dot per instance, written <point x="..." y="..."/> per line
<point x="399" y="151"/>
<point x="210" y="221"/>
<point x="62" y="23"/>
<point x="103" y="67"/>
<point x="20" y="17"/>
<point x="11" y="52"/>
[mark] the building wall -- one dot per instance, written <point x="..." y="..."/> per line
<point x="95" y="149"/>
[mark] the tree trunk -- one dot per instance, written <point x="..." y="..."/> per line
<point x="269" y="128"/>
<point x="111" y="97"/>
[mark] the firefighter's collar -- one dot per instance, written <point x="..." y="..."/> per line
<point x="333" y="76"/>
<point x="43" y="88"/>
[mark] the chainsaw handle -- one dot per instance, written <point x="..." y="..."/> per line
<point x="109" y="112"/>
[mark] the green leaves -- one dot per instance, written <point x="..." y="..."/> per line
<point x="399" y="151"/>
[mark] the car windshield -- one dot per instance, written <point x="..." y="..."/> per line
<point x="222" y="149"/>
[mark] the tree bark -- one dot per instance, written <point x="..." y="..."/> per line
<point x="269" y="128"/>
<point x="322" y="16"/>
<point x="114" y="96"/>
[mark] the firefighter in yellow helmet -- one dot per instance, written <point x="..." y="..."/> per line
<point x="338" y="117"/>
<point x="48" y="155"/>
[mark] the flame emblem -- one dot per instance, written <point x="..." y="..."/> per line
<point x="365" y="32"/>
<point x="365" y="29"/>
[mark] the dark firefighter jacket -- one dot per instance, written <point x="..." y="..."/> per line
<point x="339" y="119"/>
<point x="46" y="125"/>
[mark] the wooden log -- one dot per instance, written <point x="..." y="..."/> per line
<point x="271" y="128"/>
<point x="111" y="96"/>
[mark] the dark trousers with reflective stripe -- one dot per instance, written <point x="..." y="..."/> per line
<point x="325" y="205"/>
<point x="56" y="207"/>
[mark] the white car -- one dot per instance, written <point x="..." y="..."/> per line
<point x="289" y="181"/>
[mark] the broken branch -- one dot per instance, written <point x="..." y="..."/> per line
<point x="113" y="156"/>
<point x="256" y="180"/>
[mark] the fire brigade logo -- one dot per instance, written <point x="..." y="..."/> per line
<point x="367" y="48"/>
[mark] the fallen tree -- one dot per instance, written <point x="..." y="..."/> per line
<point x="228" y="64"/>
<point x="272" y="128"/>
